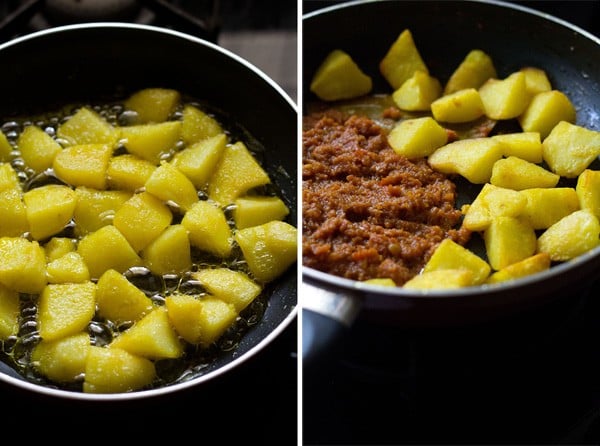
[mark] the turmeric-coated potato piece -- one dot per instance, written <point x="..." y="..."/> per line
<point x="505" y="98"/>
<point x="545" y="110"/>
<point x="57" y="247"/>
<point x="65" y="309"/>
<point x="96" y="208"/>
<point x="417" y="137"/>
<point x="8" y="178"/>
<point x="169" y="184"/>
<point x="10" y="309"/>
<point x="450" y="255"/>
<point x="151" y="141"/>
<point x="571" y="236"/>
<point x="237" y="172"/>
<point x="208" y="229"/>
<point x="269" y="249"/>
<point x="5" y="148"/>
<point x="200" y="320"/>
<point x="461" y="106"/>
<point x="107" y="248"/>
<point x="22" y="265"/>
<point x="153" y="104"/>
<point x="516" y="173"/>
<point x="198" y="125"/>
<point x="199" y="160"/>
<point x="536" y="80"/>
<point x="569" y="149"/>
<point x="119" y="300"/>
<point x="49" y="209"/>
<point x="112" y="370"/>
<point x="402" y="60"/>
<point x="87" y="126"/>
<point x="491" y="202"/>
<point x="69" y="268"/>
<point x="588" y="191"/>
<point x="524" y="145"/>
<point x="339" y="77"/>
<point x="476" y="68"/>
<point x="37" y="148"/>
<point x="418" y="92"/>
<point x="530" y="265"/>
<point x="234" y="287"/>
<point x="141" y="219"/>
<point x="256" y="210"/>
<point x="441" y="279"/>
<point x="152" y="337"/>
<point x="14" y="221"/>
<point x="545" y="206"/>
<point x="169" y="253"/>
<point x="508" y="240"/>
<point x="128" y="172"/>
<point x="62" y="360"/>
<point x="83" y="165"/>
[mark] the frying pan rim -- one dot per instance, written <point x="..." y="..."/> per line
<point x="361" y="288"/>
<point x="236" y="360"/>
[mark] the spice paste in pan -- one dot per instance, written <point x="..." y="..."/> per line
<point x="367" y="211"/>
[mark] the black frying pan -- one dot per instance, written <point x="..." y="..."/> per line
<point x="444" y="31"/>
<point x="95" y="62"/>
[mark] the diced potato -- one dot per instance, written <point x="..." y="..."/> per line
<point x="57" y="247"/>
<point x="198" y="125"/>
<point x="13" y="222"/>
<point x="461" y="106"/>
<point x="5" y="148"/>
<point x="524" y="145"/>
<point x="62" y="360"/>
<point x="106" y="249"/>
<point x="198" y="161"/>
<point x="526" y="267"/>
<point x="112" y="370"/>
<point x="451" y="255"/>
<point x="588" y="191"/>
<point x="508" y="240"/>
<point x="120" y="300"/>
<point x="169" y="184"/>
<point x="22" y="265"/>
<point x="339" y="77"/>
<point x="417" y="92"/>
<point x="151" y="337"/>
<point x="151" y="141"/>
<point x="256" y="210"/>
<point x="169" y="253"/>
<point x="234" y="287"/>
<point x="86" y="126"/>
<point x="440" y="279"/>
<point x="153" y="104"/>
<point x="545" y="206"/>
<point x="10" y="309"/>
<point x="381" y="281"/>
<point x="545" y="110"/>
<point x="571" y="236"/>
<point x="516" y="173"/>
<point x="418" y="137"/>
<point x="200" y="321"/>
<point x="536" y="80"/>
<point x="65" y="309"/>
<point x="128" y="172"/>
<point x="236" y="173"/>
<point x="506" y="98"/>
<point x="476" y="68"/>
<point x="472" y="158"/>
<point x="491" y="202"/>
<point x="69" y="268"/>
<point x="402" y="60"/>
<point x="269" y="249"/>
<point x="96" y="208"/>
<point x="83" y="165"/>
<point x="37" y="148"/>
<point x="208" y="229"/>
<point x="569" y="149"/>
<point x="8" y="178"/>
<point x="141" y="219"/>
<point x="49" y="209"/>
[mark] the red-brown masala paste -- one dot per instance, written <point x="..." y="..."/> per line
<point x="367" y="211"/>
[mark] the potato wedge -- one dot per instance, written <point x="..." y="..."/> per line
<point x="571" y="236"/>
<point x="474" y="70"/>
<point x="339" y="77"/>
<point x="418" y="137"/>
<point x="402" y="60"/>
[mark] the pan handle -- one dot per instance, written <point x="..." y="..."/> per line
<point x="326" y="315"/>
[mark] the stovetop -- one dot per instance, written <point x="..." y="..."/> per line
<point x="257" y="399"/>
